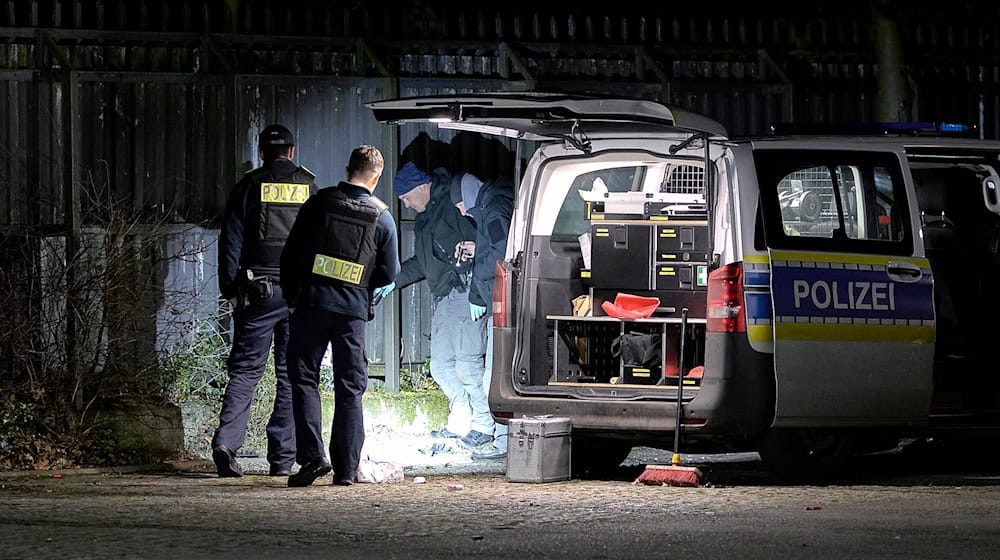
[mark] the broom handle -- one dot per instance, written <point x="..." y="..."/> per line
<point x="676" y="459"/>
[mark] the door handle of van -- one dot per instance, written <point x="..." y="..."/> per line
<point x="903" y="271"/>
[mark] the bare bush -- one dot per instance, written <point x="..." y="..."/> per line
<point x="80" y="329"/>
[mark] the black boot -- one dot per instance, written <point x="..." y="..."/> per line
<point x="309" y="473"/>
<point x="225" y="462"/>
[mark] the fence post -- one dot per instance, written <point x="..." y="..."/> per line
<point x="392" y="305"/>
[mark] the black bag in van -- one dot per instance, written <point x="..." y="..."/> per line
<point x="637" y="349"/>
<point x="640" y="356"/>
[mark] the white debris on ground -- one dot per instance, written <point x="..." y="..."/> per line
<point x="389" y="438"/>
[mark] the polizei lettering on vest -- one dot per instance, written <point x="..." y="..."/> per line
<point x="865" y="296"/>
<point x="284" y="193"/>
<point x="338" y="269"/>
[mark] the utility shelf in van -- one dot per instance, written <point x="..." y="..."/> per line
<point x="609" y="319"/>
<point x="689" y="384"/>
<point x="582" y="351"/>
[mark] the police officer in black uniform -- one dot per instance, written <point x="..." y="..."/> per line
<point x="259" y="216"/>
<point x="342" y="247"/>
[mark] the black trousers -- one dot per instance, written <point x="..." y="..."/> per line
<point x="254" y="330"/>
<point x="311" y="331"/>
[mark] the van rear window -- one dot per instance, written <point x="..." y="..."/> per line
<point x="572" y="219"/>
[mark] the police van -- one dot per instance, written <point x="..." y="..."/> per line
<point x="806" y="296"/>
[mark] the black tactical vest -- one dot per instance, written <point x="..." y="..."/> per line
<point x="343" y="250"/>
<point x="280" y="201"/>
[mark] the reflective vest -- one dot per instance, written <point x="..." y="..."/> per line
<point x="343" y="249"/>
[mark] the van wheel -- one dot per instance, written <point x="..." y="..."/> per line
<point x="802" y="454"/>
<point x="594" y="457"/>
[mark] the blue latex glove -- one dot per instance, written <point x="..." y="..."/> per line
<point x="477" y="311"/>
<point x="380" y="293"/>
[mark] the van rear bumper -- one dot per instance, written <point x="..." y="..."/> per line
<point x="736" y="398"/>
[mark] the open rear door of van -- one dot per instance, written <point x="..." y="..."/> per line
<point x="853" y="306"/>
<point x="578" y="138"/>
<point x="539" y="116"/>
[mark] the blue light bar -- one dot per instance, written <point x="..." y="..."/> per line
<point x="926" y="127"/>
<point x="953" y="127"/>
<point x="908" y="126"/>
<point x="916" y="128"/>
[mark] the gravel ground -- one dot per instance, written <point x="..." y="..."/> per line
<point x="903" y="507"/>
<point x="466" y="510"/>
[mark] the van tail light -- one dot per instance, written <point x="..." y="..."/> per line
<point x="501" y="295"/>
<point x="725" y="300"/>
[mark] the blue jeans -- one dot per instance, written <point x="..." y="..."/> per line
<point x="457" y="347"/>
<point x="500" y="433"/>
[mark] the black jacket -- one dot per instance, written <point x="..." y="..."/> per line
<point x="301" y="288"/>
<point x="436" y="231"/>
<point x="492" y="213"/>
<point x="237" y="238"/>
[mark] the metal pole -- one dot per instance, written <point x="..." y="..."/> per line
<point x="392" y="306"/>
<point x="894" y="103"/>
<point x="678" y="418"/>
<point x="71" y="219"/>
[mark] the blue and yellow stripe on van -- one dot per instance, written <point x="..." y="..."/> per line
<point x="757" y="298"/>
<point x="825" y="296"/>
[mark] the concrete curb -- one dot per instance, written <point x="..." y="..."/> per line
<point x="251" y="468"/>
<point x="169" y="466"/>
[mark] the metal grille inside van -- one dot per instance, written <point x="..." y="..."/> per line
<point x="807" y="201"/>
<point x="684" y="179"/>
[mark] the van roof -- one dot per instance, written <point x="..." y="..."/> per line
<point x="856" y="139"/>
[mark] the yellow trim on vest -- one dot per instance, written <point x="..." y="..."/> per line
<point x="284" y="193"/>
<point x="345" y="271"/>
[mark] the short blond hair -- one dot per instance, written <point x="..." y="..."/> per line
<point x="365" y="161"/>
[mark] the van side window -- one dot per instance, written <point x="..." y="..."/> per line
<point x="885" y="206"/>
<point x="572" y="219"/>
<point x="807" y="205"/>
<point x="827" y="200"/>
<point x="759" y="242"/>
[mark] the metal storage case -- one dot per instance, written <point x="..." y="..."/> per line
<point x="538" y="449"/>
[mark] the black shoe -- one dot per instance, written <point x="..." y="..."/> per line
<point x="343" y="481"/>
<point x="309" y="473"/>
<point x="279" y="471"/>
<point x="475" y="439"/>
<point x="491" y="453"/>
<point x="444" y="433"/>
<point x="225" y="462"/>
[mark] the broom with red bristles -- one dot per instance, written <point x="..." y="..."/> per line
<point x="674" y="474"/>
